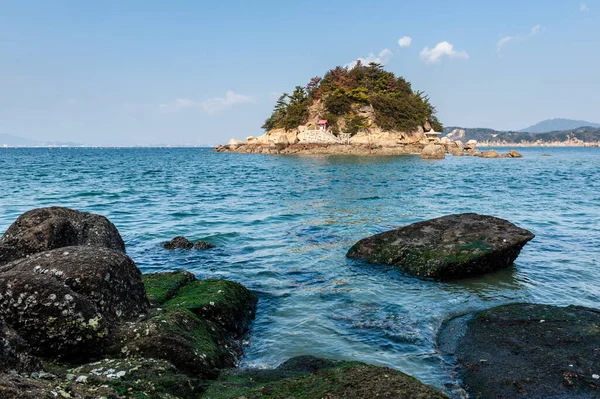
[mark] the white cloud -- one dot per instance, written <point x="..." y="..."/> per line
<point x="442" y="49"/>
<point x="583" y="7"/>
<point x="382" y="58"/>
<point x="405" y="41"/>
<point x="210" y="106"/>
<point x="507" y="39"/>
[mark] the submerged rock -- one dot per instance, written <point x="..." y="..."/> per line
<point x="44" y="229"/>
<point x="433" y="151"/>
<point x="527" y="351"/>
<point x="313" y="378"/>
<point x="448" y="247"/>
<point x="66" y="302"/>
<point x="181" y="242"/>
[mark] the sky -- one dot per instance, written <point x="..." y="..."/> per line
<point x="198" y="72"/>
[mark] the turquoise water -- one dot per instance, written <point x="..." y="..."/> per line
<point x="283" y="225"/>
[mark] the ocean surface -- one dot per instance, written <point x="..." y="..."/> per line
<point x="283" y="224"/>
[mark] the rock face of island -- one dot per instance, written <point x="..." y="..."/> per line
<point x="527" y="351"/>
<point x="446" y="248"/>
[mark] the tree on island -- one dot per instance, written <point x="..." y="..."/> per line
<point x="343" y="91"/>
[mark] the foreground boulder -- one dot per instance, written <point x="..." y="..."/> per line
<point x="527" y="351"/>
<point x="433" y="151"/>
<point x="313" y="378"/>
<point x="448" y="247"/>
<point x="66" y="302"/>
<point x="181" y="242"/>
<point x="44" y="229"/>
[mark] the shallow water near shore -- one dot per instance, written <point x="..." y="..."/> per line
<point x="282" y="226"/>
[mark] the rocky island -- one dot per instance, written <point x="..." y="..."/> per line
<point x="363" y="110"/>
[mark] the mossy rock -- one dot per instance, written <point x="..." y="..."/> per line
<point x="528" y="351"/>
<point x="195" y="346"/>
<point x="228" y="304"/>
<point x="160" y="287"/>
<point x="446" y="248"/>
<point x="308" y="377"/>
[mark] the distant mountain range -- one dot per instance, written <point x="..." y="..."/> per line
<point x="557" y="124"/>
<point x="482" y="135"/>
<point x="16" y="141"/>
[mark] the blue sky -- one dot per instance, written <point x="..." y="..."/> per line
<point x="198" y="72"/>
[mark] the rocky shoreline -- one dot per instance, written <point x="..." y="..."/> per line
<point x="79" y="320"/>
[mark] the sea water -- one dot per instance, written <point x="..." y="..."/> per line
<point x="282" y="226"/>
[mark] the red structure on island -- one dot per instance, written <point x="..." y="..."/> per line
<point x="322" y="124"/>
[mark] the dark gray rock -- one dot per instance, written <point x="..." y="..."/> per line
<point x="181" y="242"/>
<point x="14" y="351"/>
<point x="446" y="248"/>
<point x="527" y="351"/>
<point x="66" y="302"/>
<point x="202" y="245"/>
<point x="44" y="229"/>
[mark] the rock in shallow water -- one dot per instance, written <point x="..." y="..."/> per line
<point x="433" y="151"/>
<point x="181" y="242"/>
<point x="313" y="378"/>
<point x="446" y="248"/>
<point x="527" y="351"/>
<point x="44" y="229"/>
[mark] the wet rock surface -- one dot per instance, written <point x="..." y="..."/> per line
<point x="44" y="229"/>
<point x="313" y="378"/>
<point x="181" y="242"/>
<point x="528" y="351"/>
<point x="446" y="248"/>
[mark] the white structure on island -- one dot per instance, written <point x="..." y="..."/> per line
<point x="433" y="136"/>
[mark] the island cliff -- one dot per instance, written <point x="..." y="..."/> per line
<point x="364" y="109"/>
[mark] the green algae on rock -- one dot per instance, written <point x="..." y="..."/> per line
<point x="308" y="377"/>
<point x="446" y="248"/>
<point x="197" y="327"/>
<point x="226" y="303"/>
<point x="528" y="351"/>
<point x="160" y="287"/>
